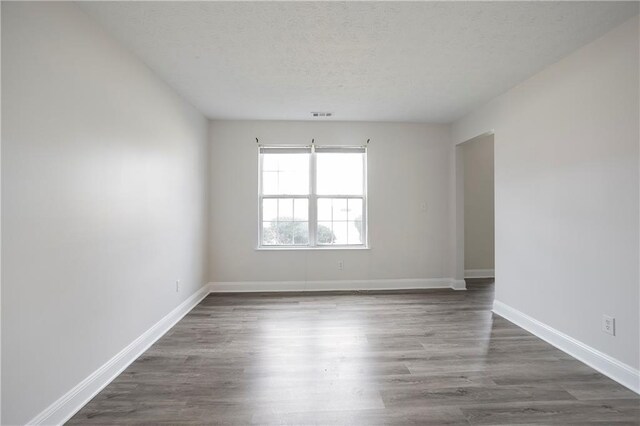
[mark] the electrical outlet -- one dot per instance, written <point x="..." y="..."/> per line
<point x="177" y="286"/>
<point x="340" y="265"/>
<point x="609" y="325"/>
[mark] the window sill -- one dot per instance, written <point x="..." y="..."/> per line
<point x="312" y="248"/>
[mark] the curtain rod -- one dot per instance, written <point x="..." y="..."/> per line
<point x="313" y="141"/>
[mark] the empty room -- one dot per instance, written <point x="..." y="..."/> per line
<point x="320" y="213"/>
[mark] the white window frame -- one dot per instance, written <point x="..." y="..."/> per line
<point x="313" y="201"/>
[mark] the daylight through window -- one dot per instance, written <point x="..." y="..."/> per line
<point x="312" y="196"/>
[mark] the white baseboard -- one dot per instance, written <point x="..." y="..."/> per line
<point x="335" y="285"/>
<point x="76" y="398"/>
<point x="458" y="284"/>
<point x="610" y="367"/>
<point x="479" y="273"/>
<point x="71" y="402"/>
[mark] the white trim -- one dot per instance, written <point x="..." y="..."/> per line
<point x="312" y="198"/>
<point x="72" y="401"/>
<point x="479" y="273"/>
<point x="325" y="247"/>
<point x="481" y="135"/>
<point x="335" y="285"/>
<point x="605" y="364"/>
<point x="458" y="284"/>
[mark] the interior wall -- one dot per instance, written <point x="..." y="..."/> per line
<point x="407" y="167"/>
<point x="0" y="231"/>
<point x="103" y="202"/>
<point x="478" y="204"/>
<point x="566" y="192"/>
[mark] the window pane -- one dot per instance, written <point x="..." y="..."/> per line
<point x="340" y="231"/>
<point x="301" y="209"/>
<point x="340" y="173"/>
<point x="284" y="225"/>
<point x="355" y="232"/>
<point x="269" y="182"/>
<point x="269" y="234"/>
<point x="285" y="174"/>
<point x="270" y="162"/>
<point x="339" y="209"/>
<point x="340" y="221"/>
<point x="300" y="233"/>
<point x="285" y="233"/>
<point x="355" y="209"/>
<point x="324" y="209"/>
<point x="282" y="209"/>
<point x="285" y="209"/>
<point x="325" y="234"/>
<point x="270" y="209"/>
<point x="294" y="183"/>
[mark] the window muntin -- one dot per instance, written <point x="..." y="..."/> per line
<point x="312" y="197"/>
<point x="285" y="221"/>
<point x="344" y="217"/>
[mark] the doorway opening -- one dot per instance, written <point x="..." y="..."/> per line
<point x="475" y="208"/>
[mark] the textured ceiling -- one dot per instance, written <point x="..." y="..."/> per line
<point x="374" y="61"/>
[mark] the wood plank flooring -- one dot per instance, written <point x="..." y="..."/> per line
<point x="422" y="357"/>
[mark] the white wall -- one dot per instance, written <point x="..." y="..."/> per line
<point x="566" y="192"/>
<point x="478" y="203"/>
<point x="103" y="202"/>
<point x="0" y="233"/>
<point x="407" y="166"/>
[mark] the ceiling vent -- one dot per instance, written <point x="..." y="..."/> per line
<point x="322" y="114"/>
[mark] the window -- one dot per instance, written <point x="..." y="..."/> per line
<point x="313" y="197"/>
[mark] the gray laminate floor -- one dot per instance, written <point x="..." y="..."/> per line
<point x="425" y="357"/>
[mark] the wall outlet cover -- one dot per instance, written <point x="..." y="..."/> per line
<point x="609" y="324"/>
